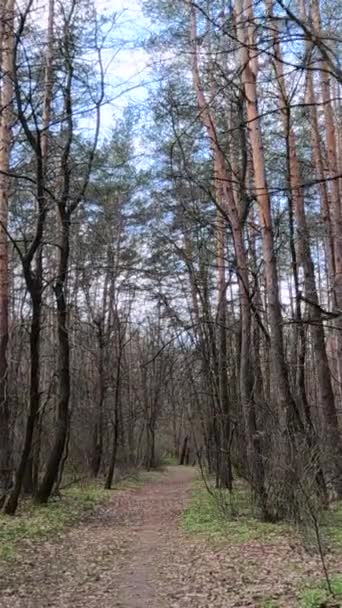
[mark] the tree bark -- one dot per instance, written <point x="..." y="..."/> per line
<point x="98" y="431"/>
<point x="34" y="275"/>
<point x="12" y="502"/>
<point x="335" y="182"/>
<point x="6" y="117"/>
<point x="226" y="465"/>
<point x="116" y="429"/>
<point x="52" y="468"/>
<point x="289" y="421"/>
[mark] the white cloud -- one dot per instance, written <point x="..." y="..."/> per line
<point x="127" y="62"/>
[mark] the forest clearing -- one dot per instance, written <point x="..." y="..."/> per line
<point x="170" y="303"/>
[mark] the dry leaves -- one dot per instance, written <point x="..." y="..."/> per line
<point x="133" y="554"/>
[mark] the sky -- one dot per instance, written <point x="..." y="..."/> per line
<point x="124" y="60"/>
<point x="126" y="69"/>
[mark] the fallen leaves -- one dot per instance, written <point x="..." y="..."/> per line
<point x="133" y="554"/>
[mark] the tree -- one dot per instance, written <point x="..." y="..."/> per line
<point x="67" y="203"/>
<point x="6" y="120"/>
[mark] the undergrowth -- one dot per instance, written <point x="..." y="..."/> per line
<point x="315" y="595"/>
<point x="331" y="526"/>
<point x="169" y="460"/>
<point x="37" y="522"/>
<point x="221" y="515"/>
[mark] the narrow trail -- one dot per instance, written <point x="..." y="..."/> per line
<point x="132" y="553"/>
<point x="113" y="560"/>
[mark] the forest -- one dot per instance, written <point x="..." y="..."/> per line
<point x="171" y="302"/>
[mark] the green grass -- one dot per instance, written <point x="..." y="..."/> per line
<point x="330" y="530"/>
<point x="314" y="595"/>
<point x="138" y="478"/>
<point x="331" y="526"/>
<point x="169" y="460"/>
<point x="269" y="603"/>
<point x="220" y="516"/>
<point x="36" y="522"/>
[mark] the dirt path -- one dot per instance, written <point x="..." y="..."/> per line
<point x="132" y="553"/>
<point x="113" y="560"/>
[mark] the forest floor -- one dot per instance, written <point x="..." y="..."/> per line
<point x="134" y="552"/>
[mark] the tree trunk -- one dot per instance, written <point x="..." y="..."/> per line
<point x="116" y="430"/>
<point x="184" y="450"/>
<point x="98" y="431"/>
<point x="255" y="462"/>
<point x="322" y="186"/>
<point x="289" y="420"/>
<point x="6" y="17"/>
<point x="335" y="183"/>
<point x="51" y="473"/>
<point x="33" y="279"/>
<point x="12" y="502"/>
<point x="226" y="465"/>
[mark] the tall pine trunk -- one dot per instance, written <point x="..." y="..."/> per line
<point x="230" y="210"/>
<point x="335" y="184"/>
<point x="289" y="421"/>
<point x="331" y="449"/>
<point x="7" y="24"/>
